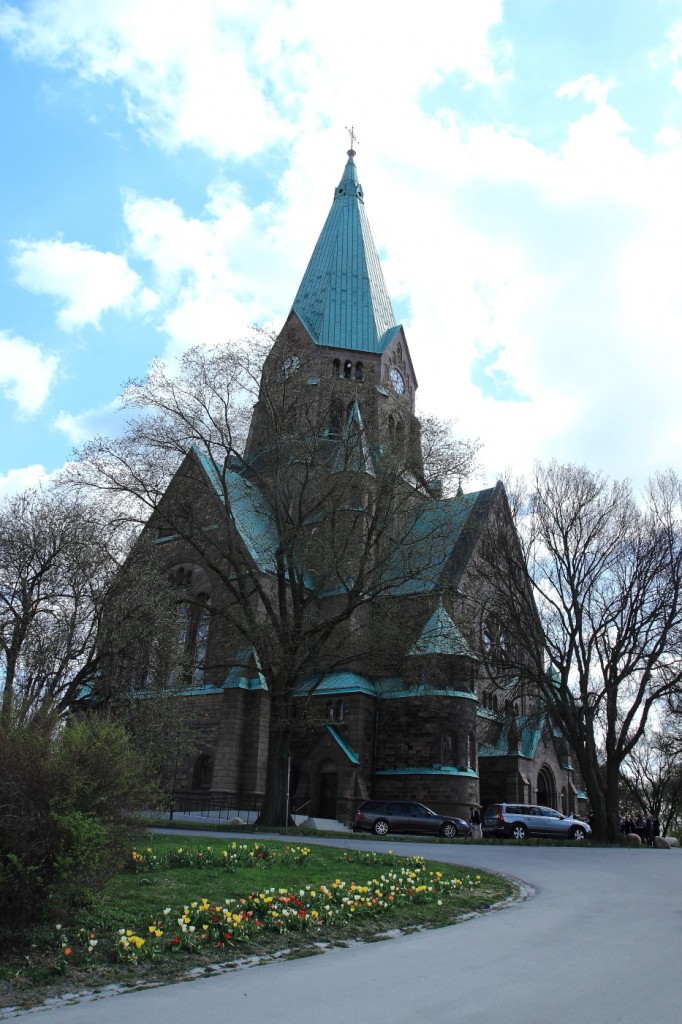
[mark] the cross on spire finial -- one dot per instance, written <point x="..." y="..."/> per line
<point x="353" y="137"/>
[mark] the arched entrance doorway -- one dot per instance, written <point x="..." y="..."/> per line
<point x="546" y="788"/>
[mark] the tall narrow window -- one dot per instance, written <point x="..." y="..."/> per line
<point x="203" y="772"/>
<point x="335" y="417"/>
<point x="347" y="369"/>
<point x="448" y="748"/>
<point x="359" y="371"/>
<point x="203" y="620"/>
<point x="336" y="367"/>
<point x="472" y="751"/>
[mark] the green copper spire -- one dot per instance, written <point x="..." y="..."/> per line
<point x="342" y="300"/>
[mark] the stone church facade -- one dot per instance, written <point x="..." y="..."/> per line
<point x="431" y="723"/>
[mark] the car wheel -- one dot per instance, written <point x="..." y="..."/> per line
<point x="449" y="830"/>
<point x="578" y="833"/>
<point x="519" y="832"/>
<point x="380" y="827"/>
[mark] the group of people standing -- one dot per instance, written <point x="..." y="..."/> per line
<point x="646" y="828"/>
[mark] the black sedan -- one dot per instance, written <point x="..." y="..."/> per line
<point x="384" y="816"/>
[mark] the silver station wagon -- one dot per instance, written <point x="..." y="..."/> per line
<point x="520" y="820"/>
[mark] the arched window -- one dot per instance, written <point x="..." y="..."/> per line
<point x="472" y="751"/>
<point x="340" y="711"/>
<point x="336" y="367"/>
<point x="335" y="417"/>
<point x="203" y="621"/>
<point x="465" y="760"/>
<point x="330" y="712"/>
<point x="448" y="748"/>
<point x="359" y="372"/>
<point x="202" y="775"/>
<point x="193" y="626"/>
<point x="181" y="577"/>
<point x="347" y="369"/>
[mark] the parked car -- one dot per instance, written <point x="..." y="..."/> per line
<point x="521" y="820"/>
<point x="384" y="816"/>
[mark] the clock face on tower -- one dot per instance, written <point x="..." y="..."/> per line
<point x="397" y="381"/>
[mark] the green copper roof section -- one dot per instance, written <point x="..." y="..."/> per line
<point x="441" y="636"/>
<point x="348" y="750"/>
<point x="429" y="542"/>
<point x="335" y="682"/>
<point x="528" y="730"/>
<point x="342" y="300"/>
<point x="245" y="673"/>
<point x="252" y="515"/>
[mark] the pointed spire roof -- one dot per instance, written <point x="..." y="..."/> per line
<point x="441" y="636"/>
<point x="342" y="300"/>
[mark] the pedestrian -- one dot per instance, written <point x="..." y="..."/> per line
<point x="475" y="822"/>
<point x="649" y="830"/>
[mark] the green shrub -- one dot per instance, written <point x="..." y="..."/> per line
<point x="69" y="806"/>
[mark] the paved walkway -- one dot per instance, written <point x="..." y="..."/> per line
<point x="600" y="942"/>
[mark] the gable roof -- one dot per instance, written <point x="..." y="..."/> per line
<point x="353" y="455"/>
<point x="342" y="300"/>
<point x="439" y="530"/>
<point x="252" y="515"/>
<point x="441" y="636"/>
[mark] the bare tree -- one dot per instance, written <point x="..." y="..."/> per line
<point x="303" y="514"/>
<point x="588" y="592"/>
<point x="69" y="614"/>
<point x="652" y="775"/>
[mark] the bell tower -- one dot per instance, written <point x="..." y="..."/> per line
<point x="341" y="334"/>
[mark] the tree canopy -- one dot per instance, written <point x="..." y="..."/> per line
<point x="588" y="592"/>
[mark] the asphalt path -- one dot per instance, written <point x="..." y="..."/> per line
<point x="600" y="941"/>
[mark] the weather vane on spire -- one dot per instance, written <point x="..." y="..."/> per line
<point x="353" y="137"/>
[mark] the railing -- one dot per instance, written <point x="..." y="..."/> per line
<point x="245" y="806"/>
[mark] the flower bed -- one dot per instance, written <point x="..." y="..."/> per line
<point x="203" y="923"/>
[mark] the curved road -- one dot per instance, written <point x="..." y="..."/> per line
<point x="601" y="941"/>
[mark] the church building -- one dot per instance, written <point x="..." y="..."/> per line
<point x="408" y="704"/>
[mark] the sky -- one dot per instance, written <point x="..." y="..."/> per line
<point x="167" y="168"/>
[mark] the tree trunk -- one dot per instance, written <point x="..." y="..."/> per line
<point x="274" y="810"/>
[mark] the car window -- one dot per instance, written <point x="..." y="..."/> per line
<point x="420" y="811"/>
<point x="371" y="805"/>
<point x="492" y="811"/>
<point x="395" y="808"/>
<point x="516" y="809"/>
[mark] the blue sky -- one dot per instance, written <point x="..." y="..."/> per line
<point x="167" y="168"/>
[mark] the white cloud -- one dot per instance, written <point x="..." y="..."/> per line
<point x="557" y="260"/>
<point x="26" y="372"/>
<point x="16" y="480"/>
<point x="86" y="281"/>
<point x="79" y="427"/>
<point x="215" y="273"/>
<point x="589" y="86"/>
<point x="233" y="77"/>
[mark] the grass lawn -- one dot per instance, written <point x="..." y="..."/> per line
<point x="193" y="905"/>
